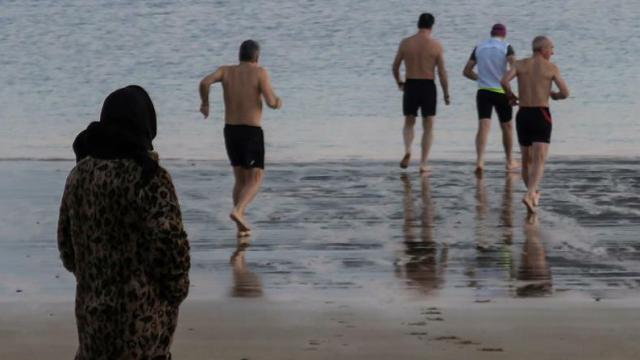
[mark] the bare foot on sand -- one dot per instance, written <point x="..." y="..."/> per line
<point x="529" y="203"/>
<point x="514" y="166"/>
<point x="479" y="170"/>
<point x="536" y="198"/>
<point x="424" y="169"/>
<point x="239" y="220"/>
<point x="244" y="233"/>
<point x="404" y="163"/>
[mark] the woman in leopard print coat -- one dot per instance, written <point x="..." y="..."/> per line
<point x="120" y="233"/>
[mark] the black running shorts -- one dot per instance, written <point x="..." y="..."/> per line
<point x="533" y="124"/>
<point x="245" y="145"/>
<point x="486" y="100"/>
<point x="419" y="94"/>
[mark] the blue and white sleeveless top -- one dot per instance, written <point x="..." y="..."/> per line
<point x="491" y="59"/>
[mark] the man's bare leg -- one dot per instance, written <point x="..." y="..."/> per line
<point x="538" y="156"/>
<point x="484" y="125"/>
<point x="255" y="176"/>
<point x="238" y="184"/>
<point x="252" y="181"/>
<point x="427" y="139"/>
<point x="407" y="135"/>
<point x="525" y="151"/>
<point x="507" y="143"/>
<point x="237" y="187"/>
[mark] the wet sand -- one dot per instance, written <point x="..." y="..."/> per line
<point x="356" y="260"/>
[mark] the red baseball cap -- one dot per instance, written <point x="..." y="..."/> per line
<point x="499" y="30"/>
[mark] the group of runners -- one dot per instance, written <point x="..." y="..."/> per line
<point x="246" y="84"/>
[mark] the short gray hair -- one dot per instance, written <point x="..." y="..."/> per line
<point x="539" y="43"/>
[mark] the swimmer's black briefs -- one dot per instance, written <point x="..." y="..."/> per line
<point x="419" y="93"/>
<point x="486" y="100"/>
<point x="245" y="145"/>
<point x="533" y="124"/>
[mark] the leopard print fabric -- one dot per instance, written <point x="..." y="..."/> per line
<point x="129" y="253"/>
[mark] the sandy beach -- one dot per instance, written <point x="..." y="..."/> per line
<point x="254" y="329"/>
<point x="359" y="260"/>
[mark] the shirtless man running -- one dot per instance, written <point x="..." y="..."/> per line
<point x="421" y="54"/>
<point x="533" y="121"/>
<point x="244" y="86"/>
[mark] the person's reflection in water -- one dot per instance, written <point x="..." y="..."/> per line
<point x="534" y="269"/>
<point x="494" y="259"/>
<point x="506" y="210"/>
<point x="482" y="208"/>
<point x="426" y="260"/>
<point x="245" y="282"/>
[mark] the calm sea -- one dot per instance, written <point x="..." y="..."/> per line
<point x="330" y="61"/>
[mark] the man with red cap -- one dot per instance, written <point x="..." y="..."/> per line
<point x="492" y="57"/>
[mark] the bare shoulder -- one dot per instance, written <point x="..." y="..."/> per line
<point x="263" y="73"/>
<point x="439" y="48"/>
<point x="521" y="64"/>
<point x="404" y="42"/>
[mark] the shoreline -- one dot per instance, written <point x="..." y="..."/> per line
<point x="470" y="159"/>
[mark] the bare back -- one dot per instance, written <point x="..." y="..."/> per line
<point x="420" y="54"/>
<point x="242" y="102"/>
<point x="535" y="76"/>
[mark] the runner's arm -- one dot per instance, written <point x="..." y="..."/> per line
<point x="511" y="56"/>
<point x="268" y="94"/>
<point x="506" y="86"/>
<point x="563" y="92"/>
<point x="205" y="84"/>
<point x="395" y="68"/>
<point x="468" y="69"/>
<point x="442" y="75"/>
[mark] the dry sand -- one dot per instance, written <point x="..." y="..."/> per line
<point x="255" y="329"/>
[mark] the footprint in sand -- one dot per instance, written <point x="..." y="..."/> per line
<point x="467" y="342"/>
<point x="445" y="338"/>
<point x="419" y="323"/>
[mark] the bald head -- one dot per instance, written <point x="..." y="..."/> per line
<point x="543" y="46"/>
<point x="540" y="43"/>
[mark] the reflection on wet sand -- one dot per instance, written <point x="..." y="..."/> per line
<point x="506" y="210"/>
<point x="493" y="249"/>
<point x="534" y="268"/>
<point x="245" y="282"/>
<point x="494" y="260"/>
<point x="426" y="260"/>
<point x="482" y="209"/>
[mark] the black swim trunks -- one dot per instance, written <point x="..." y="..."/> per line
<point x="486" y="100"/>
<point x="419" y="93"/>
<point x="533" y="124"/>
<point x="245" y="145"/>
